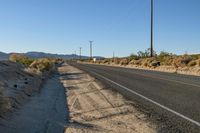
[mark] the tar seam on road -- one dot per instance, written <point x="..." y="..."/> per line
<point x="156" y="103"/>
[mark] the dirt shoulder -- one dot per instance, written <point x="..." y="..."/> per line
<point x="95" y="108"/>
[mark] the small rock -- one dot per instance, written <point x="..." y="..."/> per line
<point x="15" y="85"/>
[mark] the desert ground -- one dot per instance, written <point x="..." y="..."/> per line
<point x="96" y="108"/>
<point x="70" y="100"/>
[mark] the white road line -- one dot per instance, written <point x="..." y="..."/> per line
<point x="158" y="104"/>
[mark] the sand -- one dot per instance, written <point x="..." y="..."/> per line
<point x="95" y="108"/>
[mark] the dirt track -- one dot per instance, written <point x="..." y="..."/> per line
<point x="95" y="108"/>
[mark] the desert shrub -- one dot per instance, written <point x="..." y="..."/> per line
<point x="195" y="56"/>
<point x="116" y="60"/>
<point x="98" y="61"/>
<point x="133" y="57"/>
<point x="21" y="58"/>
<point x="167" y="60"/>
<point x="138" y="62"/>
<point x="124" y="61"/>
<point x="42" y="64"/>
<point x="192" y="63"/>
<point x="164" y="54"/>
<point x="132" y="62"/>
<point x="198" y="62"/>
<point x="147" y="62"/>
<point x="182" y="61"/>
<point x="106" y="61"/>
<point x="142" y="54"/>
<point x="146" y="53"/>
<point x="155" y="63"/>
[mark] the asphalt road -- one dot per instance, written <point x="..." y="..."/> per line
<point x="174" y="98"/>
<point x="43" y="113"/>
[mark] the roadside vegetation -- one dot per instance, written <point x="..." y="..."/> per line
<point x="35" y="65"/>
<point x="163" y="60"/>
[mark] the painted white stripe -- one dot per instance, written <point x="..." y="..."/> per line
<point x="156" y="103"/>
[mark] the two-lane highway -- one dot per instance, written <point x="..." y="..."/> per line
<point x="172" y="96"/>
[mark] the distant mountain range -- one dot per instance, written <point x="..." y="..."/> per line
<point x="5" y="56"/>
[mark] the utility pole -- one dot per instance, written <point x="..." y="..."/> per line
<point x="152" y="5"/>
<point x="91" y="49"/>
<point x="80" y="53"/>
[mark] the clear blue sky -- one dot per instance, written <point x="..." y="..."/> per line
<point x="123" y="26"/>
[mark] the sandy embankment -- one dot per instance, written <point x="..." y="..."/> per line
<point x="95" y="108"/>
<point x="16" y="85"/>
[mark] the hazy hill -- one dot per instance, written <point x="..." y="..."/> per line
<point x="5" y="56"/>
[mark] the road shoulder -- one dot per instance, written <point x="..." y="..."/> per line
<point x="96" y="108"/>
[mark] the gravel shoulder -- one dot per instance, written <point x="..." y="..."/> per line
<point x="96" y="108"/>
